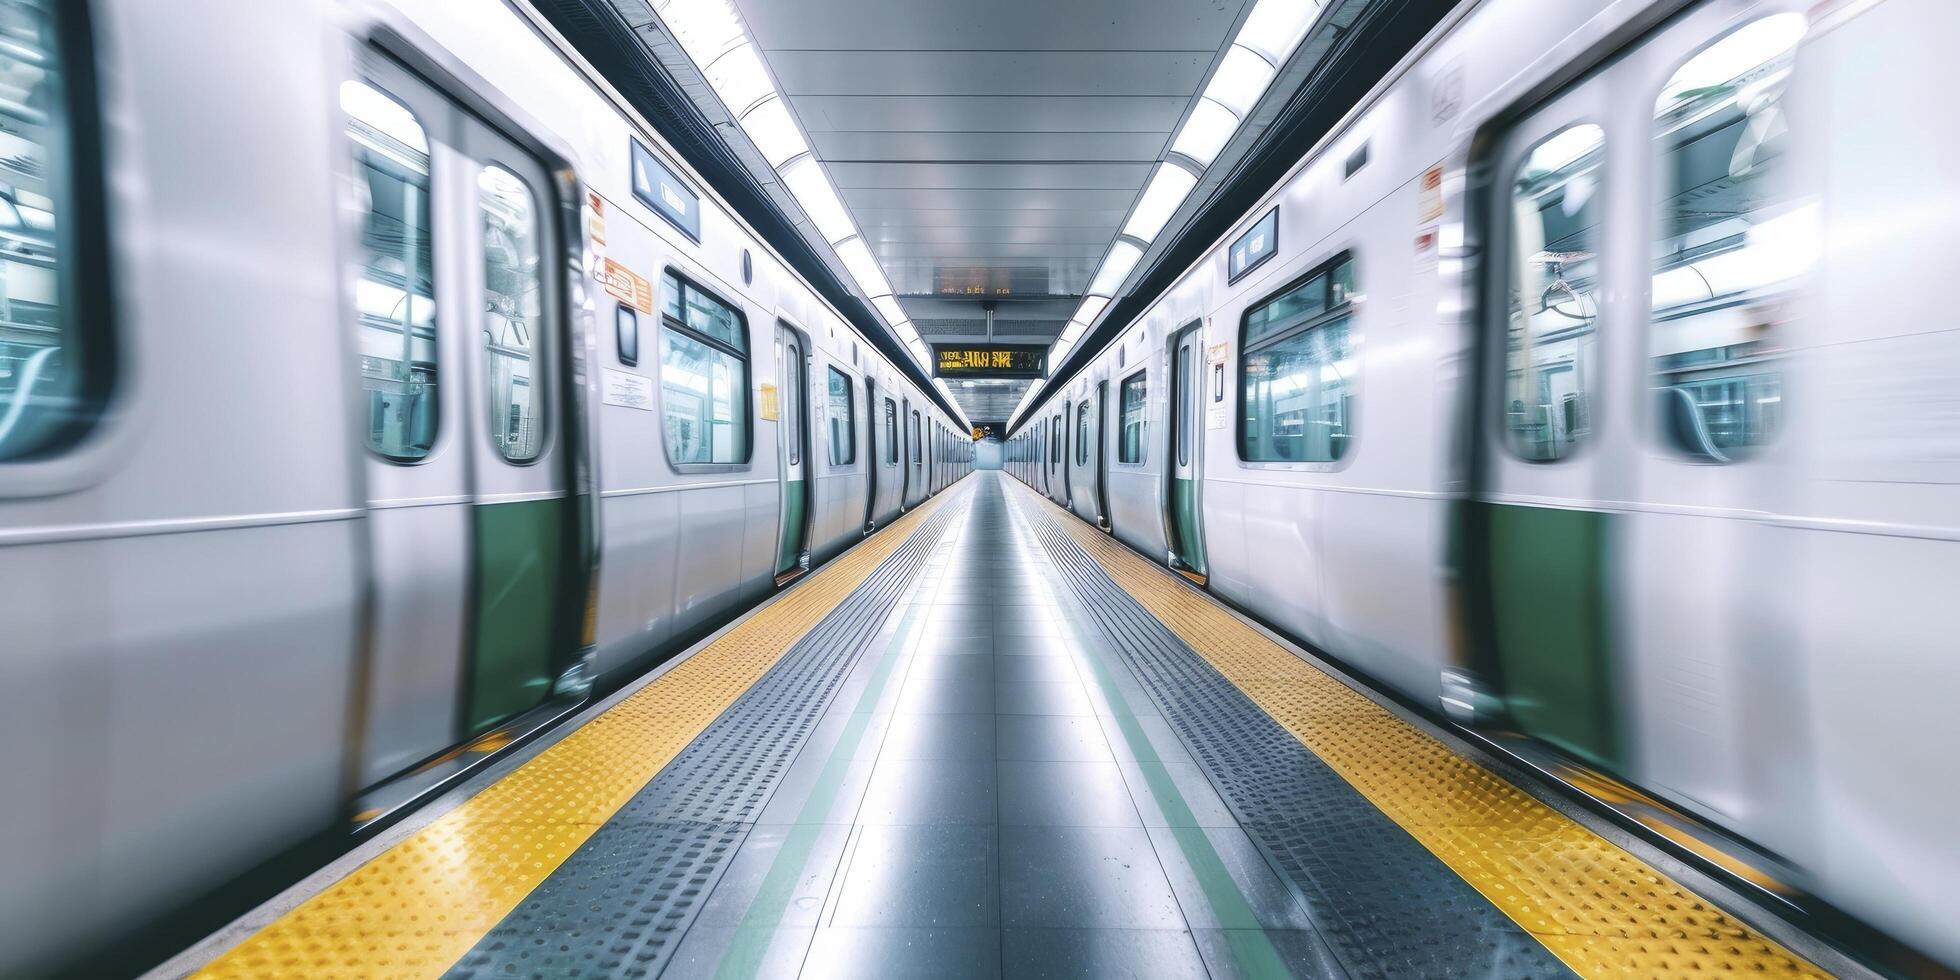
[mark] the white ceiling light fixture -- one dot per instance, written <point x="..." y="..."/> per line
<point x="863" y="267"/>
<point x="806" y="180"/>
<point x="1091" y="308"/>
<point x="1240" y="80"/>
<point x="1074" y="331"/>
<point x="1275" y="26"/>
<point x="738" y="77"/>
<point x="889" y="308"/>
<point x="1159" y="201"/>
<point x="773" y="132"/>
<point x="920" y="352"/>
<point x="1205" y="132"/>
<point x="1116" y="267"/>
<point x="705" y="28"/>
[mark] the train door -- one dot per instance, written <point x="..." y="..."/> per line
<point x="1101" y="449"/>
<point x="1184" y="519"/>
<point x="874" y="454"/>
<point x="1068" y="480"/>
<point x="905" y="453"/>
<point x="473" y="522"/>
<point x="916" y="476"/>
<point x="1539" y="525"/>
<point x="792" y="445"/>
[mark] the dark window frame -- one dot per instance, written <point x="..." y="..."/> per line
<point x="850" y="417"/>
<point x="1329" y="314"/>
<point x="668" y="322"/>
<point x="1141" y="376"/>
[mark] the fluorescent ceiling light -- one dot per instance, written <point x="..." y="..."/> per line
<point x="704" y="28"/>
<point x="1275" y="26"/>
<point x="1239" y="81"/>
<point x="1073" y="331"/>
<point x="738" y="77"/>
<point x="1160" y="199"/>
<point x="1116" y="267"/>
<point x="920" y="352"/>
<point x="863" y="267"/>
<point x="1061" y="349"/>
<point x="1205" y="132"/>
<point x="888" y="308"/>
<point x="1092" y="307"/>
<point x="905" y="331"/>
<point x="807" y="183"/>
<point x="773" y="132"/>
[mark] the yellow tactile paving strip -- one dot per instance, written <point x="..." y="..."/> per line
<point x="416" y="908"/>
<point x="1602" y="911"/>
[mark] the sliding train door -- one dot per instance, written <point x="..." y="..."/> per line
<point x="792" y="445"/>
<point x="1184" y="520"/>
<point x="1101" y="449"/>
<point x="474" y="524"/>
<point x="1541" y="526"/>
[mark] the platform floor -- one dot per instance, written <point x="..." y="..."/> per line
<point x="991" y="741"/>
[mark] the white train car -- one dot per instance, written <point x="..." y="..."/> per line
<point x="1491" y="410"/>
<point x="374" y="387"/>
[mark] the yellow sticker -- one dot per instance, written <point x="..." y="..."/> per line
<point x="627" y="286"/>
<point x="768" y="407"/>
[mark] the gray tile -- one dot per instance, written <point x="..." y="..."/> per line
<point x="1034" y="624"/>
<point x="918" y="791"/>
<point x="1051" y="738"/>
<point x="1267" y="900"/>
<point x="920" y="876"/>
<point x="946" y="693"/>
<point x="928" y="954"/>
<point x="1227" y="953"/>
<point x="1102" y="877"/>
<point x="1033" y="646"/>
<point x="1065" y="794"/>
<point x="701" y="950"/>
<point x="1161" y="742"/>
<point x="1040" y="670"/>
<point x="1202" y="806"/>
<point x="1098" y="953"/>
<point x="728" y="904"/>
<point x="966" y="738"/>
<point x="786" y="804"/>
<point x="932" y="645"/>
<point x="975" y="671"/>
<point x="1024" y="698"/>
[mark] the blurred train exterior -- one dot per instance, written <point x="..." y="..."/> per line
<point x="1500" y="422"/>
<point x="361" y="409"/>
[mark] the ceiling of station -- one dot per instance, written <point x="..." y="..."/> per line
<point x="989" y="151"/>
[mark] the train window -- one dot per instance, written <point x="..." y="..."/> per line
<point x="704" y="376"/>
<point x="395" y="295"/>
<point x="1055" y="439"/>
<point x="918" y="446"/>
<point x="1297" y="370"/>
<point x="55" y="368"/>
<point x="1730" y="242"/>
<point x="1550" y="333"/>
<point x="1129" y="447"/>
<point x="891" y="433"/>
<point x="513" y="313"/>
<point x="843" y="420"/>
<point x="1082" y="434"/>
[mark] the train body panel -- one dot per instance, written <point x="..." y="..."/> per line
<point x="1646" y="563"/>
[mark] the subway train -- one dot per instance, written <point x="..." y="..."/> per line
<point x="375" y="386"/>
<point x="1486" y="401"/>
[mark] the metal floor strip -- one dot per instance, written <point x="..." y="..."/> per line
<point x="1384" y="904"/>
<point x="621" y="903"/>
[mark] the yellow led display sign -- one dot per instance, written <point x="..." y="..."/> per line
<point x="988" y="361"/>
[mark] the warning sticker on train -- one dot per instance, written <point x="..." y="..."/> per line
<point x="627" y="390"/>
<point x="627" y="286"/>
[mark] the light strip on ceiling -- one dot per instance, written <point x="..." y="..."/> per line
<point x="711" y="33"/>
<point x="1265" y="40"/>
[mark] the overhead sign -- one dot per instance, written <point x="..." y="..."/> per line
<point x="989" y="360"/>
<point x="1255" y="246"/>
<point x="659" y="188"/>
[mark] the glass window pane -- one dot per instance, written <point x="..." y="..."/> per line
<point x="395" y="295"/>
<point x="1298" y="395"/>
<point x="44" y="379"/>
<point x="704" y="395"/>
<point x="1554" y="310"/>
<point x="1130" y="449"/>
<point x="1732" y="241"/>
<point x="792" y="423"/>
<point x="513" y="314"/>
<point x="1082" y="434"/>
<point x="891" y="432"/>
<point x="1287" y="310"/>
<point x="843" y="423"/>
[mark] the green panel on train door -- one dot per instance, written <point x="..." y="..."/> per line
<point x="789" y="547"/>
<point x="1547" y="569"/>
<point x="1186" y="543"/>
<point x="518" y="550"/>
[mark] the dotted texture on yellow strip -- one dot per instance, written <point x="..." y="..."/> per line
<point x="414" y="910"/>
<point x="1597" y="908"/>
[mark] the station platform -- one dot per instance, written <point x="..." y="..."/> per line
<point x="991" y="741"/>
